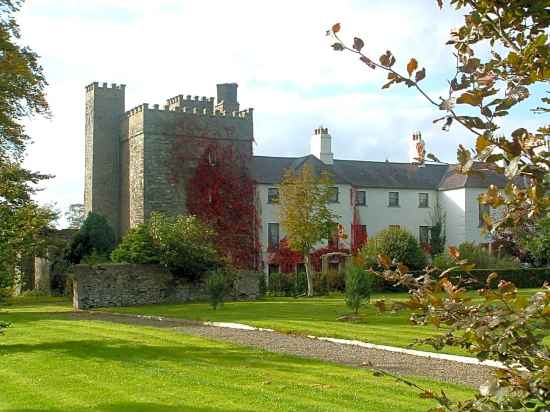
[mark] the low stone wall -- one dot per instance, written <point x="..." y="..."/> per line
<point x="109" y="285"/>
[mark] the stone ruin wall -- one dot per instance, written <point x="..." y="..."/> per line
<point x="115" y="285"/>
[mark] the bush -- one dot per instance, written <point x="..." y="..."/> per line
<point x="522" y="278"/>
<point x="137" y="247"/>
<point x="477" y="255"/>
<point x="359" y="286"/>
<point x="262" y="287"/>
<point x="185" y="245"/>
<point x="397" y="244"/>
<point x="94" y="237"/>
<point x="216" y="284"/>
<point x="538" y="243"/>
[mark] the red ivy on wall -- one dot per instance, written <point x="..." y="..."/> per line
<point x="221" y="193"/>
<point x="287" y="259"/>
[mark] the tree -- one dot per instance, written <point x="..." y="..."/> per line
<point x="437" y="230"/>
<point x="304" y="213"/>
<point x="504" y="326"/>
<point x="185" y="245"/>
<point x="22" y="85"/>
<point x="75" y="215"/>
<point x="515" y="32"/>
<point x="95" y="238"/>
<point x="137" y="246"/>
<point x="538" y="242"/>
<point x="359" y="286"/>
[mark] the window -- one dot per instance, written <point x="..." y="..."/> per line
<point x="360" y="198"/>
<point x="272" y="235"/>
<point x="484" y="210"/>
<point x="272" y="195"/>
<point x="423" y="200"/>
<point x="393" y="199"/>
<point x="333" y="198"/>
<point x="424" y="234"/>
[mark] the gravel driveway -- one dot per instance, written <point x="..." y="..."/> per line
<point x="394" y="362"/>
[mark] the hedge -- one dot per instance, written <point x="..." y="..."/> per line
<point x="522" y="278"/>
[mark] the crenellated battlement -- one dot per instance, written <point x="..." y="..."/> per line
<point x="190" y="102"/>
<point x="198" y="111"/>
<point x="105" y="85"/>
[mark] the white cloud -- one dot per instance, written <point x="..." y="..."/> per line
<point x="276" y="51"/>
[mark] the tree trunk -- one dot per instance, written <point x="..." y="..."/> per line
<point x="307" y="264"/>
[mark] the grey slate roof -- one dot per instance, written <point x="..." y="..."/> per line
<point x="270" y="170"/>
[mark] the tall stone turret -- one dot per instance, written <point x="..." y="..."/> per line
<point x="227" y="98"/>
<point x="104" y="110"/>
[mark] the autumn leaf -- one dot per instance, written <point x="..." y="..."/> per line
<point x="482" y="143"/>
<point x="470" y="98"/>
<point x="412" y="66"/>
<point x="421" y="74"/>
<point x="358" y="44"/>
<point x="384" y="261"/>
<point x="453" y="251"/>
<point x="440" y="3"/>
<point x="336" y="28"/>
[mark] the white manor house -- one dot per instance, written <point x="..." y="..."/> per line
<point x="132" y="169"/>
<point x="378" y="195"/>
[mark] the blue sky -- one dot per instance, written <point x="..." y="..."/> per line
<point x="276" y="51"/>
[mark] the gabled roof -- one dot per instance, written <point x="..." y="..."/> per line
<point x="391" y="175"/>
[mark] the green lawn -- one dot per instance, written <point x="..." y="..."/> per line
<point x="53" y="363"/>
<point x="311" y="316"/>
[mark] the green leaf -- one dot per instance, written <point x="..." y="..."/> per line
<point x="338" y="46"/>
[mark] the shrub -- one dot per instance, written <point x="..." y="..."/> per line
<point x="397" y="244"/>
<point x="359" y="286"/>
<point x="538" y="243"/>
<point x="185" y="245"/>
<point x="94" y="237"/>
<point x="137" y="247"/>
<point x="216" y="284"/>
<point x="477" y="255"/>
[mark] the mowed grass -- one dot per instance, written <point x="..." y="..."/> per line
<point x="310" y="316"/>
<point x="51" y="362"/>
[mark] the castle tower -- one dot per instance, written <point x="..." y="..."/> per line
<point x="227" y="98"/>
<point x="104" y="109"/>
<point x="320" y="145"/>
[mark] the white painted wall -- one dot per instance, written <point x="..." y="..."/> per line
<point x="453" y="204"/>
<point x="473" y="231"/>
<point x="376" y="215"/>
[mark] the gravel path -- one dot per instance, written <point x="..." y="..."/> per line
<point x="394" y="362"/>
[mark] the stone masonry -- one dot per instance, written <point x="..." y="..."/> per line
<point x="113" y="285"/>
<point x="132" y="167"/>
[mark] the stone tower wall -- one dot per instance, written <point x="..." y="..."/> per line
<point x="174" y="141"/>
<point x="104" y="110"/>
<point x="137" y="161"/>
